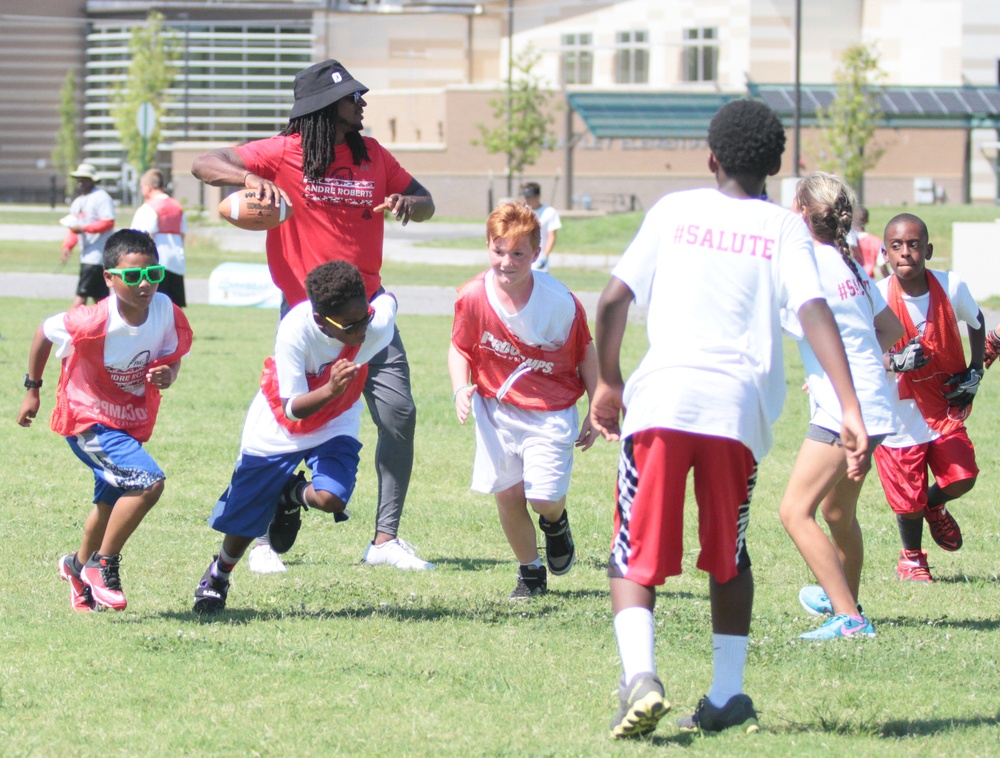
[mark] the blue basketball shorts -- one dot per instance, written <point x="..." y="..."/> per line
<point x="249" y="503"/>
<point x="118" y="460"/>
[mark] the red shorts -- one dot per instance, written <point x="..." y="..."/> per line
<point x="903" y="470"/>
<point x="649" y="517"/>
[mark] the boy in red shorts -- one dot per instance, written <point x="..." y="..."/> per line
<point x="714" y="267"/>
<point x="933" y="396"/>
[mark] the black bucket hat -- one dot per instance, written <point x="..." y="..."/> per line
<point x="322" y="84"/>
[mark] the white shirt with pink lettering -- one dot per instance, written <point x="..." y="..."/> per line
<point x="855" y="301"/>
<point x="715" y="272"/>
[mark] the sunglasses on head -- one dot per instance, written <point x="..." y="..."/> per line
<point x="348" y="328"/>
<point x="133" y="276"/>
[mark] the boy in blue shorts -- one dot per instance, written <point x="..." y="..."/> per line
<point x="715" y="267"/>
<point x="117" y="356"/>
<point x="308" y="409"/>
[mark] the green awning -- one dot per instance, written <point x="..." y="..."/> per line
<point x="647" y="114"/>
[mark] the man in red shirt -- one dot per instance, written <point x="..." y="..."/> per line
<point x="339" y="184"/>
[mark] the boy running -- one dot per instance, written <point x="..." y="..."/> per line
<point x="933" y="394"/>
<point x="117" y="356"/>
<point x="523" y="339"/>
<point x="308" y="409"/>
<point x="715" y="267"/>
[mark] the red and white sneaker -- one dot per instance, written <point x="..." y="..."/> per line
<point x="100" y="574"/>
<point x="913" y="566"/>
<point x="80" y="598"/>
<point x="944" y="529"/>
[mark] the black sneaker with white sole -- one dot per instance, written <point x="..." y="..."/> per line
<point x="531" y="581"/>
<point x="210" y="595"/>
<point x="287" y="521"/>
<point x="560" y="553"/>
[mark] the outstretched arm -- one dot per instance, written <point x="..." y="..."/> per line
<point x="225" y="168"/>
<point x="606" y="407"/>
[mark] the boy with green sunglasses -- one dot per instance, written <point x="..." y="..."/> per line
<point x="117" y="356"/>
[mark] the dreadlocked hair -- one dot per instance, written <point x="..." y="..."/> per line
<point x="828" y="204"/>
<point x="319" y="135"/>
<point x="332" y="285"/>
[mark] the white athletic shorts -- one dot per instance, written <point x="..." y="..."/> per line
<point x="514" y="445"/>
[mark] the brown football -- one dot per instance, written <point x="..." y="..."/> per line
<point x="245" y="210"/>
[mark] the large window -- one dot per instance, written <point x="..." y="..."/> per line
<point x="700" y="61"/>
<point x="632" y="58"/>
<point x="578" y="59"/>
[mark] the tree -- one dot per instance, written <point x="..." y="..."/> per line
<point x="66" y="153"/>
<point x="849" y="123"/>
<point x="153" y="52"/>
<point x="522" y="120"/>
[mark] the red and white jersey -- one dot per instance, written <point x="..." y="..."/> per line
<point x="506" y="367"/>
<point x="105" y="361"/>
<point x="332" y="217"/>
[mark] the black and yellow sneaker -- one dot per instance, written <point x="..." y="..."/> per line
<point x="642" y="706"/>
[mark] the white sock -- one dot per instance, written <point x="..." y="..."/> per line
<point x="634" y="631"/>
<point x="729" y="654"/>
<point x="537" y="563"/>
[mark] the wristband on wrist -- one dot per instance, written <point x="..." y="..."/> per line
<point x="454" y="398"/>
<point x="32" y="384"/>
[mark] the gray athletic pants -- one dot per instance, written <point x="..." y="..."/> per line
<point x="390" y="403"/>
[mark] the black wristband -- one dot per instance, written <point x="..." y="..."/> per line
<point x="32" y="384"/>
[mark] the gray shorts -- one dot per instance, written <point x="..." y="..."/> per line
<point x="828" y="437"/>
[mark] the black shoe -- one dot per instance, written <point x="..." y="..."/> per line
<point x="210" y="596"/>
<point x="531" y="581"/>
<point x="284" y="527"/>
<point x="737" y="712"/>
<point x="560" y="553"/>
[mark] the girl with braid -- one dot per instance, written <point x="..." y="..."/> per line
<point x="868" y="328"/>
<point x="340" y="184"/>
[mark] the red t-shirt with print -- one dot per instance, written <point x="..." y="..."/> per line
<point x="332" y="217"/>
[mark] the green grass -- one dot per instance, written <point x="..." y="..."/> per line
<point x="334" y="658"/>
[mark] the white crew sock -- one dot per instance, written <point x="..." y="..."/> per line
<point x="634" y="631"/>
<point x="729" y="655"/>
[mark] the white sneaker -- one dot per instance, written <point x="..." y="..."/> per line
<point x="396" y="552"/>
<point x="263" y="560"/>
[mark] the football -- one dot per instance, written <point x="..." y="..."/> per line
<point x="245" y="210"/>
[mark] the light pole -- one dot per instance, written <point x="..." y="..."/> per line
<point x="510" y="96"/>
<point x="798" y="85"/>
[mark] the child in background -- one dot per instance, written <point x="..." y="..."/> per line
<point x="117" y="356"/>
<point x="866" y="248"/>
<point x="715" y="267"/>
<point x="868" y="328"/>
<point x="932" y="400"/>
<point x="521" y="356"/>
<point x="308" y="409"/>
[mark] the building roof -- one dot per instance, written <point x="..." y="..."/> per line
<point x="676" y="114"/>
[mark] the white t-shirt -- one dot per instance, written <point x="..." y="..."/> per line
<point x="913" y="429"/>
<point x="170" y="247"/>
<point x="714" y="272"/>
<point x="301" y="349"/>
<point x="96" y="205"/>
<point x="854" y="314"/>
<point x="128" y="349"/>
<point x="549" y="221"/>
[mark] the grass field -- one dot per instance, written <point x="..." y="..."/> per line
<point x="333" y="658"/>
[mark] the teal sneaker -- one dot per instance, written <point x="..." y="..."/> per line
<point x="815" y="601"/>
<point x="841" y="625"/>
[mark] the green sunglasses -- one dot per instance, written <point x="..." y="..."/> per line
<point x="133" y="276"/>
